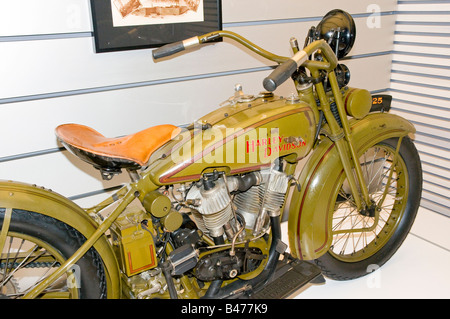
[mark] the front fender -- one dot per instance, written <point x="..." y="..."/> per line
<point x="40" y="200"/>
<point x="311" y="209"/>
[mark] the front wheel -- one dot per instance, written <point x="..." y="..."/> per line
<point x="34" y="247"/>
<point x="364" y="240"/>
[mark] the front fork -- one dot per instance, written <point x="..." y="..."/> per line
<point x="341" y="136"/>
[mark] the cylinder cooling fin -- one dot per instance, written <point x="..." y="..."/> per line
<point x="254" y="197"/>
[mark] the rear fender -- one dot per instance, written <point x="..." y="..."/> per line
<point x="310" y="210"/>
<point x="46" y="202"/>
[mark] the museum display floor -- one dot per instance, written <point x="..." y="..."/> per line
<point x="419" y="269"/>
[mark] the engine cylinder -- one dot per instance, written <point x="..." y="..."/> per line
<point x="274" y="195"/>
<point x="249" y="203"/>
<point x="215" y="209"/>
<point x="275" y="192"/>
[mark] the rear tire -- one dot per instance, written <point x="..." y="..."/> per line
<point x="355" y="254"/>
<point x="35" y="246"/>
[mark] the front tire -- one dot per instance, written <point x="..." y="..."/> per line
<point x="355" y="253"/>
<point x="35" y="246"/>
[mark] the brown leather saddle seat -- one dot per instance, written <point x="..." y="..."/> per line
<point x="110" y="155"/>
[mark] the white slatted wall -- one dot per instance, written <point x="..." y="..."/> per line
<point x="51" y="75"/>
<point x="420" y="85"/>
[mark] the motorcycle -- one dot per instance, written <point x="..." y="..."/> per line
<point x="201" y="217"/>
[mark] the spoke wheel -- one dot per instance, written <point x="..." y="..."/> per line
<point x="363" y="238"/>
<point x="34" y="247"/>
<point x="26" y="261"/>
<point x="377" y="163"/>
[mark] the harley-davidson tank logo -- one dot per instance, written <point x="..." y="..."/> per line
<point x="219" y="145"/>
<point x="275" y="144"/>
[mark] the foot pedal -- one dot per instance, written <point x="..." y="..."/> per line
<point x="288" y="278"/>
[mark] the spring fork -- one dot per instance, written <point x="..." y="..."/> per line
<point x="347" y="132"/>
<point x="345" y="148"/>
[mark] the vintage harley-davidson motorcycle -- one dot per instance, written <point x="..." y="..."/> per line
<point x="201" y="217"/>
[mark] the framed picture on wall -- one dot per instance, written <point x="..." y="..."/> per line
<point x="137" y="24"/>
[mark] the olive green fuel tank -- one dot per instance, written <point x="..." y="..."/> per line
<point x="244" y="135"/>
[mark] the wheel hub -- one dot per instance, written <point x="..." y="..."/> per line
<point x="9" y="288"/>
<point x="368" y="211"/>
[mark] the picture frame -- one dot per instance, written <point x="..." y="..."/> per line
<point x="138" y="24"/>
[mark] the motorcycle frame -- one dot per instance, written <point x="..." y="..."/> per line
<point x="346" y="142"/>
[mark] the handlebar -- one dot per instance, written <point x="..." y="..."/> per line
<point x="168" y="50"/>
<point x="286" y="69"/>
<point x="172" y="48"/>
<point x="283" y="72"/>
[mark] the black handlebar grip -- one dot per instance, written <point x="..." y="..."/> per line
<point x="279" y="75"/>
<point x="168" y="49"/>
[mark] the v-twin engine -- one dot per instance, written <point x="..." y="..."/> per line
<point x="226" y="204"/>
